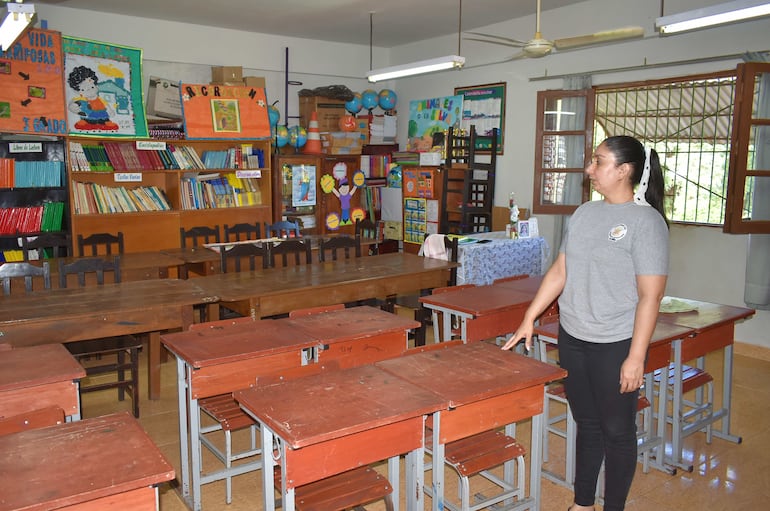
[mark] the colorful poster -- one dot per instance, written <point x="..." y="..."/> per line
<point x="484" y="108"/>
<point x="103" y="89"/>
<point x="429" y="119"/>
<point x="303" y="185"/>
<point x="31" y="87"/>
<point x="212" y="111"/>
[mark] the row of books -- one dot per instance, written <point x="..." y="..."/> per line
<point x="125" y="156"/>
<point x="405" y="158"/>
<point x="30" y="174"/>
<point x="205" y="191"/>
<point x="92" y="198"/>
<point x="31" y="219"/>
<point x="11" y="255"/>
<point x="375" y="165"/>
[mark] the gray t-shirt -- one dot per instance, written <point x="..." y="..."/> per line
<point x="606" y="247"/>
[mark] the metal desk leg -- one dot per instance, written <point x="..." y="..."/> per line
<point x="536" y="458"/>
<point x="268" y="465"/>
<point x="727" y="388"/>
<point x="437" y="458"/>
<point x="184" y="451"/>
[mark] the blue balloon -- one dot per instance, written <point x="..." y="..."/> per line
<point x="370" y="99"/>
<point x="387" y="99"/>
<point x="354" y="105"/>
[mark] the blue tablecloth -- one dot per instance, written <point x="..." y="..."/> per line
<point x="482" y="263"/>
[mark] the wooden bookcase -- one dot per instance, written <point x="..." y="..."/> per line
<point x="156" y="230"/>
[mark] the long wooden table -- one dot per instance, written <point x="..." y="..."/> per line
<point x="334" y="421"/>
<point x="37" y="377"/>
<point x="106" y="462"/>
<point x="485" y="388"/>
<point x="217" y="361"/>
<point x="75" y="314"/>
<point x="280" y="290"/>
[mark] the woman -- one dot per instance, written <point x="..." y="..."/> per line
<point x="609" y="276"/>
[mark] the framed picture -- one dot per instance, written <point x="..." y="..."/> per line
<point x="523" y="228"/>
<point x="103" y="89"/>
<point x="484" y="107"/>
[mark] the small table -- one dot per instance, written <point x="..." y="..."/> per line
<point x="485" y="388"/>
<point x="37" y="377"/>
<point x="714" y="329"/>
<point x="497" y="257"/>
<point x="76" y="314"/>
<point x="107" y="462"/>
<point x="334" y="421"/>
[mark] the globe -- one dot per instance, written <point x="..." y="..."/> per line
<point x="354" y="105"/>
<point x="274" y="115"/>
<point x="387" y="99"/>
<point x="281" y="136"/>
<point x="297" y="136"/>
<point x="369" y="99"/>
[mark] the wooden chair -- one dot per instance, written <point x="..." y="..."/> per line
<point x="102" y="243"/>
<point x="126" y="371"/>
<point x="236" y="254"/>
<point x="297" y="249"/>
<point x="196" y="236"/>
<point x="283" y="229"/>
<point x="412" y="301"/>
<point x="18" y="270"/>
<point x="46" y="245"/>
<point x="242" y="232"/>
<point x="367" y="230"/>
<point x="33" y="419"/>
<point x="329" y="247"/>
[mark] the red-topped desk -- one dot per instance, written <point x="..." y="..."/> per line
<point x="107" y="462"/>
<point x="334" y="421"/>
<point x="485" y="388"/>
<point x="37" y="377"/>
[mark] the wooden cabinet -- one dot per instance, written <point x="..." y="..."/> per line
<point x="296" y="190"/>
<point x="149" y="189"/>
<point x="33" y="189"/>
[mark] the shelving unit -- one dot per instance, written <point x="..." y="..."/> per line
<point x="145" y="230"/>
<point x="469" y="183"/>
<point x="33" y="189"/>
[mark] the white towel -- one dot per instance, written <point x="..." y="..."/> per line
<point x="434" y="247"/>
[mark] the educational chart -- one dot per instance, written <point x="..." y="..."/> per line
<point x="224" y="111"/>
<point x="31" y="87"/>
<point x="103" y="89"/>
<point x="429" y="119"/>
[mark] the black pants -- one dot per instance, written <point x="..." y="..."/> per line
<point x="606" y="419"/>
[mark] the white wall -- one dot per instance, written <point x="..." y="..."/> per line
<point x="705" y="263"/>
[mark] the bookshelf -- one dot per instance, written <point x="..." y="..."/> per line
<point x="33" y="190"/>
<point x="149" y="189"/>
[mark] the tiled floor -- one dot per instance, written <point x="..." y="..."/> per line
<point x="726" y="475"/>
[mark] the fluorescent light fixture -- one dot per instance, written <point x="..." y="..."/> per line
<point x="416" y="68"/>
<point x="728" y="12"/>
<point x="19" y="17"/>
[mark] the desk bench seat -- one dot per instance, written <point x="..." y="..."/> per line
<point x="347" y="490"/>
<point x="226" y="412"/>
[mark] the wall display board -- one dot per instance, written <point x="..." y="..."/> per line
<point x="31" y="86"/>
<point x="428" y="121"/>
<point x="103" y="89"/>
<point x="224" y="111"/>
<point x="484" y="107"/>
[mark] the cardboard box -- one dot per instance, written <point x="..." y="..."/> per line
<point x="328" y="111"/>
<point x="341" y="142"/>
<point x="227" y="75"/>
<point x="163" y="99"/>
<point x="257" y="82"/>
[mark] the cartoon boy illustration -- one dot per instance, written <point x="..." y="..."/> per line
<point x="344" y="194"/>
<point x="88" y="105"/>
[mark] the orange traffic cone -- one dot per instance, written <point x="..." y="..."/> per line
<point x="313" y="144"/>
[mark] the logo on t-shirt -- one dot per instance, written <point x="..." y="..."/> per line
<point x="618" y="232"/>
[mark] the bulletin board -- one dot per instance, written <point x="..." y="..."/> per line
<point x="224" y="111"/>
<point x="31" y="86"/>
<point x="429" y="119"/>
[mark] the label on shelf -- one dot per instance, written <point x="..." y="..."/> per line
<point x="25" y="147"/>
<point x="128" y="177"/>
<point x="150" y="145"/>
<point x="248" y="173"/>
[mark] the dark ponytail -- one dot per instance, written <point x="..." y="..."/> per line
<point x="629" y="150"/>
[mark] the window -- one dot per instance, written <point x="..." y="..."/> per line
<point x="690" y="122"/>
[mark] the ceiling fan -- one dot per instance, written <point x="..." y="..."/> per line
<point x="539" y="47"/>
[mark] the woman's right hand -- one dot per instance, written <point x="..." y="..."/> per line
<point x="524" y="331"/>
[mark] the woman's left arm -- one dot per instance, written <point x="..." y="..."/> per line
<point x="650" y="289"/>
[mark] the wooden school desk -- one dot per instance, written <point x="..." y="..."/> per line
<point x="280" y="290"/>
<point x="75" y="314"/>
<point x="485" y="312"/>
<point x="37" y="377"/>
<point x="107" y="462"/>
<point x="714" y="329"/>
<point x="199" y="260"/>
<point x="334" y="421"/>
<point x="485" y="388"/>
<point x="133" y="266"/>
